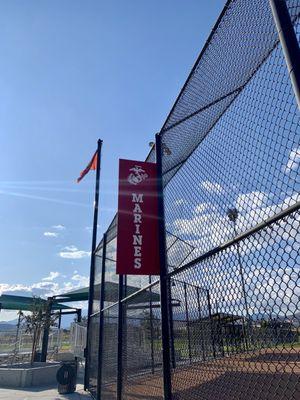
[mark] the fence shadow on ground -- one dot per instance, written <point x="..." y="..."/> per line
<point x="241" y="385"/>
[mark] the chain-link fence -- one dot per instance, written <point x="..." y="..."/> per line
<point x="78" y="339"/>
<point x="16" y="344"/>
<point x="230" y="158"/>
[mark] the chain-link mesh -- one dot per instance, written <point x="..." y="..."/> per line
<point x="231" y="156"/>
<point x="92" y="345"/>
<point x="93" y="355"/>
<point x="109" y="353"/>
<point x="97" y="282"/>
<point x="142" y="357"/>
<point x="241" y="338"/>
<point x="193" y="326"/>
<point x="247" y="162"/>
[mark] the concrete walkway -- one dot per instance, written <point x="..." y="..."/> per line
<point x="43" y="394"/>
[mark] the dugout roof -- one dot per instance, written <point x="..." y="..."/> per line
<point x="11" y="302"/>
<point x="111" y="294"/>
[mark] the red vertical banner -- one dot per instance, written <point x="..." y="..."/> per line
<point x="137" y="238"/>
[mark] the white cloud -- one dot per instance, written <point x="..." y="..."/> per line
<point x="51" y="234"/>
<point x="212" y="186"/>
<point x="54" y="234"/>
<point x="190" y="225"/>
<point x="53" y="275"/>
<point x="5" y="287"/>
<point x="252" y="200"/>
<point x="59" y="227"/>
<point x="179" y="202"/>
<point x="208" y="228"/>
<point x="70" y="248"/>
<point x="83" y="281"/>
<point x="293" y="161"/>
<point x="72" y="252"/>
<point x="43" y="289"/>
<point x="270" y="286"/>
<point x="46" y="287"/>
<point x="200" y="208"/>
<point x="263" y="282"/>
<point x="203" y="228"/>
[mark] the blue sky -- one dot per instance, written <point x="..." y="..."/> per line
<point x="72" y="71"/>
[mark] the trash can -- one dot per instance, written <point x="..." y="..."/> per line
<point x="66" y="377"/>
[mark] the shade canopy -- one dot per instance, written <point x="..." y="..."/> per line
<point x="23" y="303"/>
<point x="111" y="294"/>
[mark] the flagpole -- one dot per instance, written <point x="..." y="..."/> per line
<point x="92" y="268"/>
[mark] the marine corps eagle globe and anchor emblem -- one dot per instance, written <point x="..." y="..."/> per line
<point x="137" y="175"/>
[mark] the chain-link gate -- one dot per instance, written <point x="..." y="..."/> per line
<point x="230" y="165"/>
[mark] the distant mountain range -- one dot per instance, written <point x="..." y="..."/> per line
<point x="8" y="326"/>
<point x="295" y="318"/>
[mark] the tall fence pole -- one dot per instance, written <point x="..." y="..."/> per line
<point x="211" y="324"/>
<point x="101" y="318"/>
<point x="59" y="320"/>
<point x="120" y="339"/>
<point x="92" y="267"/>
<point x="151" y="328"/>
<point x="163" y="275"/>
<point x="46" y="329"/>
<point x="200" y="323"/>
<point x="289" y="42"/>
<point x="79" y="314"/>
<point x="124" y="330"/>
<point x="187" y="320"/>
<point x="171" y="321"/>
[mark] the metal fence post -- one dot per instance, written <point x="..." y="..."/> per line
<point x="289" y="42"/>
<point x="187" y="322"/>
<point x="233" y="215"/>
<point x="211" y="324"/>
<point x="163" y="275"/>
<point x="120" y="340"/>
<point x="200" y="318"/>
<point x="59" y="319"/>
<point x="151" y="329"/>
<point x="46" y="330"/>
<point x="101" y="319"/>
<point x="124" y="329"/>
<point x="79" y="314"/>
<point x="173" y="358"/>
<point x="220" y="334"/>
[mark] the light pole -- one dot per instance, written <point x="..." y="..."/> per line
<point x="233" y="214"/>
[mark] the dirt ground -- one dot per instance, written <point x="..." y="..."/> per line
<point x="267" y="375"/>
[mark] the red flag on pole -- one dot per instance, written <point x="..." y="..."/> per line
<point x="92" y="165"/>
